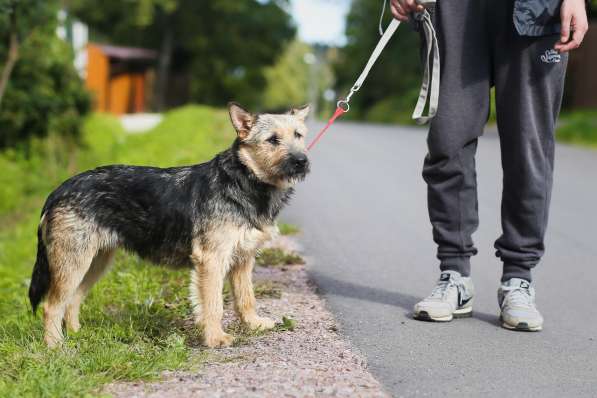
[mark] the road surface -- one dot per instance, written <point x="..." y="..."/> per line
<point x="365" y="230"/>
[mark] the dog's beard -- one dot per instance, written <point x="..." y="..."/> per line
<point x="287" y="171"/>
<point x="288" y="179"/>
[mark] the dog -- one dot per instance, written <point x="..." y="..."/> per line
<point x="212" y="217"/>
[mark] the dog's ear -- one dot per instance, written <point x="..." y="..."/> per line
<point x="302" y="112"/>
<point x="242" y="120"/>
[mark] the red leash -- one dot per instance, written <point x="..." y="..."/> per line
<point x="339" y="112"/>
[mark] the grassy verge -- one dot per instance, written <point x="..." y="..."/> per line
<point x="579" y="127"/>
<point x="132" y="321"/>
<point x="271" y="257"/>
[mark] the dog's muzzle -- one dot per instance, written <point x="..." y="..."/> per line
<point x="296" y="165"/>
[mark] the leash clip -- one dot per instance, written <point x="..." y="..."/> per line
<point x="343" y="105"/>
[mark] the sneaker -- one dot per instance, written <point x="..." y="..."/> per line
<point x="451" y="298"/>
<point x="516" y="298"/>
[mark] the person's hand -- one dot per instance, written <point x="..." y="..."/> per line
<point x="401" y="8"/>
<point x="574" y="21"/>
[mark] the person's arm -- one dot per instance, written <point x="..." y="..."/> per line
<point x="573" y="14"/>
<point x="402" y="8"/>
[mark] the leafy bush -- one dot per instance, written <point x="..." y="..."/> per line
<point x="44" y="93"/>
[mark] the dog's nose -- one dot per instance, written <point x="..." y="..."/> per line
<point x="300" y="160"/>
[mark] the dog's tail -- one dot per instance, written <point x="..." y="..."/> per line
<point x="40" y="279"/>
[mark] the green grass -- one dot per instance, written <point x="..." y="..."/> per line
<point x="267" y="289"/>
<point x="271" y="257"/>
<point x="288" y="229"/>
<point x="133" y="321"/>
<point x="578" y="127"/>
<point x="288" y="324"/>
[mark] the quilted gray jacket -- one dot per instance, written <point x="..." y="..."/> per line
<point x="537" y="17"/>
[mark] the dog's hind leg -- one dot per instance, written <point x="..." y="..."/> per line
<point x="68" y="267"/>
<point x="71" y="246"/>
<point x="241" y="276"/>
<point x="98" y="267"/>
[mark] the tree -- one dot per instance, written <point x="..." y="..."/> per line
<point x="293" y="81"/>
<point x="222" y="45"/>
<point x="20" y="18"/>
<point x="41" y="91"/>
<point x="392" y="87"/>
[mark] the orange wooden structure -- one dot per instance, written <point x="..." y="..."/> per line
<point x="117" y="76"/>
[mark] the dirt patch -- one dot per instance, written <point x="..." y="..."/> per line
<point x="310" y="360"/>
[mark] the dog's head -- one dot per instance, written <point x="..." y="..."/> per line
<point x="272" y="146"/>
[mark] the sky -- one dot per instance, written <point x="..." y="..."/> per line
<point x="320" y="21"/>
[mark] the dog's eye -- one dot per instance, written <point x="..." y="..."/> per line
<point x="274" y="140"/>
<point x="298" y="135"/>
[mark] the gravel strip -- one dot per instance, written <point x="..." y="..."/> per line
<point x="313" y="360"/>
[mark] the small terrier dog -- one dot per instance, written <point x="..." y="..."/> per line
<point x="212" y="217"/>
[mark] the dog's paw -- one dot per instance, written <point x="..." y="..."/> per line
<point x="217" y="340"/>
<point x="73" y="325"/>
<point x="53" y="341"/>
<point x="260" y="323"/>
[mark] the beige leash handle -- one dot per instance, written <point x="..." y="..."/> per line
<point x="431" y="74"/>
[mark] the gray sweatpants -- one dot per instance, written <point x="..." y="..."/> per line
<point x="480" y="49"/>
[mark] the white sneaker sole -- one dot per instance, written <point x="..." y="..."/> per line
<point x="459" y="313"/>
<point x="521" y="326"/>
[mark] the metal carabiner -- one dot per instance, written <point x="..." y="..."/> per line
<point x="344" y="105"/>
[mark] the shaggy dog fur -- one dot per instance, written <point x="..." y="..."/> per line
<point x="211" y="217"/>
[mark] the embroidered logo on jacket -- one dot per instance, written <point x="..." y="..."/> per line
<point x="551" y="57"/>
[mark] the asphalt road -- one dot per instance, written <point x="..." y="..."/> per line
<point x="365" y="230"/>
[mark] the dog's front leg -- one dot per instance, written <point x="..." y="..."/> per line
<point x="244" y="298"/>
<point x="211" y="272"/>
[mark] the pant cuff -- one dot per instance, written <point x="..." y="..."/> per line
<point x="516" y="271"/>
<point x="459" y="264"/>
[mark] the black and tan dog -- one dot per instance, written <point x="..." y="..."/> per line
<point x="212" y="217"/>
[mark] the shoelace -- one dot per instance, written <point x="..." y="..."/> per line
<point x="441" y="289"/>
<point x="517" y="296"/>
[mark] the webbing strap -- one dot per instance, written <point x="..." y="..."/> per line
<point x="431" y="78"/>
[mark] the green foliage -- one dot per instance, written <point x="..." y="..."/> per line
<point x="267" y="289"/>
<point x="395" y="77"/>
<point x="288" y="324"/>
<point x="133" y="321"/>
<point x="394" y="109"/>
<point x="288" y="80"/>
<point x="288" y="229"/>
<point x="271" y="257"/>
<point x="44" y="93"/>
<point x="578" y="127"/>
<point x="30" y="15"/>
<point x="223" y="46"/>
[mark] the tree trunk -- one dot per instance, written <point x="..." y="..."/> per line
<point x="13" y="55"/>
<point x="164" y="61"/>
